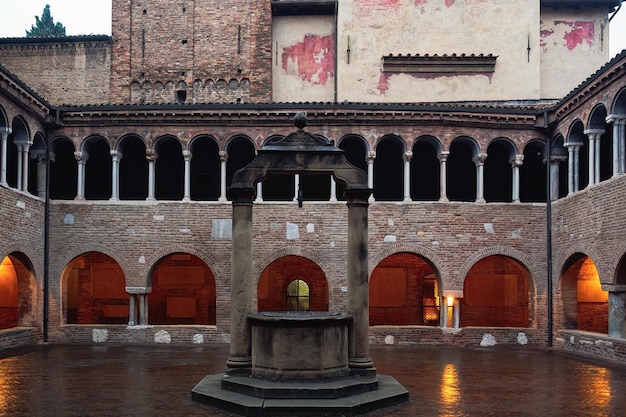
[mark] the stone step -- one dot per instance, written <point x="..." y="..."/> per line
<point x="209" y="391"/>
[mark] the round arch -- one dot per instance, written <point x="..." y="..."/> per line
<point x="274" y="280"/>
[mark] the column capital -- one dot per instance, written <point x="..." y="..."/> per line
<point x="443" y="156"/>
<point x="78" y="156"/>
<point x="407" y="156"/>
<point x="371" y="155"/>
<point x="573" y="146"/>
<point x="480" y="159"/>
<point x="617" y="119"/>
<point x="518" y="160"/>
<point x="115" y="154"/>
<point x="151" y="155"/>
<point x="223" y="156"/>
<point x="5" y="132"/>
<point x="139" y="290"/>
<point x="187" y="155"/>
<point x="594" y="132"/>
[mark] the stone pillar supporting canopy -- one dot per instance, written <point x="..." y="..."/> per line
<point x="297" y="153"/>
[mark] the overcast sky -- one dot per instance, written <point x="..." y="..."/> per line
<point x="93" y="17"/>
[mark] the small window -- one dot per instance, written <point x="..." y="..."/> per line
<point x="430" y="300"/>
<point x="298" y="296"/>
<point x="181" y="96"/>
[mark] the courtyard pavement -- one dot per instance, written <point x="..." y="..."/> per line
<point x="138" y="381"/>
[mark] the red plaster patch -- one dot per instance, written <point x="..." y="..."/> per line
<point x="314" y="58"/>
<point x="544" y="34"/>
<point x="582" y="31"/>
<point x="383" y="82"/>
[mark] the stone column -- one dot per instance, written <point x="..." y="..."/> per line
<point x="41" y="175"/>
<point x="444" y="313"/>
<point x="443" y="176"/>
<point x="619" y="137"/>
<point x="20" y="165"/>
<point x="80" y="187"/>
<point x="5" y="132"/>
<point x="296" y="186"/>
<point x="333" y="190"/>
<point x="572" y="166"/>
<point x="516" y="163"/>
<point x="223" y="159"/>
<point x="371" y="156"/>
<point x="407" y="175"/>
<point x="115" y="175"/>
<point x="555" y="161"/>
<point x="617" y="309"/>
<point x="358" y="284"/>
<point x="259" y="192"/>
<point x="151" y="156"/>
<point x="24" y="167"/>
<point x="594" y="136"/>
<point x="132" y="310"/>
<point x="241" y="283"/>
<point x="187" y="181"/>
<point x="480" y="168"/>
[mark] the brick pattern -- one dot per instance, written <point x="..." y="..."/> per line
<point x="74" y="72"/>
<point x="229" y="63"/>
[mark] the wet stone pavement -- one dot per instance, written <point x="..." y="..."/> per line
<point x="157" y="381"/>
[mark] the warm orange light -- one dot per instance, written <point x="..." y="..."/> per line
<point x="450" y="301"/>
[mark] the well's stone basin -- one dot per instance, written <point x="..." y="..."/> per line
<point x="299" y="345"/>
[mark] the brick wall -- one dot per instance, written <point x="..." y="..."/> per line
<point x="72" y="72"/>
<point x="216" y="51"/>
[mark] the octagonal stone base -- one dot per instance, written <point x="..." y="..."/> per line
<point x="341" y="397"/>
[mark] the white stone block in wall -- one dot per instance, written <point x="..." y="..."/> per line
<point x="310" y="228"/>
<point x="222" y="229"/>
<point x="100" y="335"/>
<point x="390" y="238"/>
<point x="489" y="228"/>
<point x="389" y="340"/>
<point x="292" y="231"/>
<point x="69" y="219"/>
<point x="162" y="337"/>
<point x="522" y="339"/>
<point x="488" y="340"/>
<point x="198" y="338"/>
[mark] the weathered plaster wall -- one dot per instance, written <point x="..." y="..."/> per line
<point x="303" y="67"/>
<point x="379" y="28"/>
<point x="573" y="46"/>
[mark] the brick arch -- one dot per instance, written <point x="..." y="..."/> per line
<point x="266" y="260"/>
<point x="28" y="293"/>
<point x="512" y="253"/>
<point x="429" y="255"/>
<point x="22" y="248"/>
<point x="569" y="251"/>
<point x="75" y="251"/>
<point x="611" y="263"/>
<point x="206" y="257"/>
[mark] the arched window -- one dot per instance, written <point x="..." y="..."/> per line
<point x="298" y="296"/>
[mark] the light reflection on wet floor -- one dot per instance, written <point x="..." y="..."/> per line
<point x="157" y="380"/>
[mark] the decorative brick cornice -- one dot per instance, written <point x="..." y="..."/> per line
<point x="433" y="64"/>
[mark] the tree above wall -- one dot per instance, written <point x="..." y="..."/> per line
<point x="45" y="27"/>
